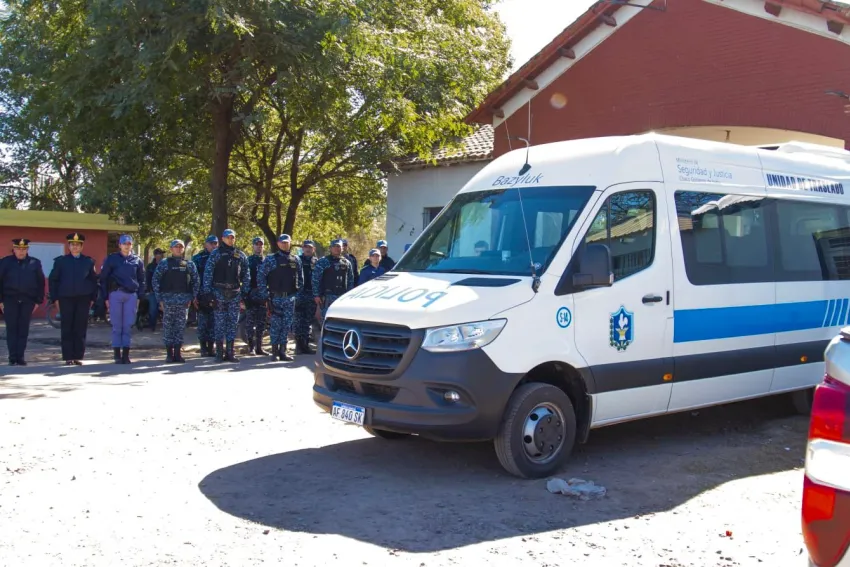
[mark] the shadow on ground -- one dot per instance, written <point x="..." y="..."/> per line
<point x="419" y="496"/>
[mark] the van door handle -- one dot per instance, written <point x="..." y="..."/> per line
<point x="652" y="298"/>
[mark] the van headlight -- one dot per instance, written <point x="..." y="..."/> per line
<point x="463" y="337"/>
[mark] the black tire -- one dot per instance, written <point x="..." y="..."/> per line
<point x="384" y="434"/>
<point x="541" y="400"/>
<point x="802" y="400"/>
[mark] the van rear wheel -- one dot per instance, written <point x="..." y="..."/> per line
<point x="538" y="431"/>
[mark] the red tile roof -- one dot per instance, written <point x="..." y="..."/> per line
<point x="478" y="146"/>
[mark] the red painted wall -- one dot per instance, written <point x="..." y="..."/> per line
<point x="697" y="64"/>
<point x="95" y="245"/>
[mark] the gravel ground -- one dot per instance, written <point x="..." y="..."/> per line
<point x="219" y="465"/>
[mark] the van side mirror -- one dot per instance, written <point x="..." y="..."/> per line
<point x="594" y="268"/>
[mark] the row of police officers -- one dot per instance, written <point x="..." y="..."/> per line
<point x="293" y="289"/>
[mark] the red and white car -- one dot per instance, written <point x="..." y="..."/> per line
<point x="826" y="488"/>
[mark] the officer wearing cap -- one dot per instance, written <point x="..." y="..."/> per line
<point x="73" y="283"/>
<point x="256" y="312"/>
<point x="153" y="304"/>
<point x="206" y="302"/>
<point x="305" y="306"/>
<point x="332" y="277"/>
<point x="279" y="280"/>
<point x="122" y="281"/>
<point x="351" y="258"/>
<point x="176" y="284"/>
<point x="21" y="292"/>
<point x="373" y="269"/>
<point x="387" y="263"/>
<point x="227" y="277"/>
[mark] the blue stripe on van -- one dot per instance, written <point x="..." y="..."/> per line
<point x="750" y="320"/>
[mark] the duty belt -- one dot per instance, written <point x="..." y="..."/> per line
<point x="276" y="294"/>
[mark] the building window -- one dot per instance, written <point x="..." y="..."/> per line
<point x="429" y="214"/>
<point x="626" y="224"/>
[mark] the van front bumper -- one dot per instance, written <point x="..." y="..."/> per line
<point x="413" y="399"/>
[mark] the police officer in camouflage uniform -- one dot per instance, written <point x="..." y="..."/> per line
<point x="351" y="258"/>
<point x="176" y="285"/>
<point x="227" y="277"/>
<point x="305" y="306"/>
<point x="280" y="278"/>
<point x="332" y="277"/>
<point x="205" y="306"/>
<point x="256" y="311"/>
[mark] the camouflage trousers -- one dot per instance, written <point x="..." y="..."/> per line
<point x="305" y="314"/>
<point x="283" y="311"/>
<point x="174" y="317"/>
<point x="226" y="318"/>
<point x="256" y="317"/>
<point x="327" y="301"/>
<point x="206" y="329"/>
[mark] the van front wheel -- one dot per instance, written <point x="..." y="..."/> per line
<point x="537" y="432"/>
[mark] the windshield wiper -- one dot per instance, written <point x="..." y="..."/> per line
<point x="468" y="271"/>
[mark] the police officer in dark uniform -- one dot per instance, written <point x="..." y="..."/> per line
<point x="351" y="258"/>
<point x="305" y="306"/>
<point x="206" y="302"/>
<point x="176" y="284"/>
<point x="73" y="283"/>
<point x="227" y="276"/>
<point x="332" y="277"/>
<point x="279" y="280"/>
<point x="21" y="292"/>
<point x="256" y="312"/>
<point x="387" y="263"/>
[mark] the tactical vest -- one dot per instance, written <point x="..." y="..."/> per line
<point x="202" y="262"/>
<point x="226" y="272"/>
<point x="282" y="278"/>
<point x="307" y="264"/>
<point x="335" y="278"/>
<point x="176" y="278"/>
<point x="253" y="264"/>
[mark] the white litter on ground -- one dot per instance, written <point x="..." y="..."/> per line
<point x="575" y="487"/>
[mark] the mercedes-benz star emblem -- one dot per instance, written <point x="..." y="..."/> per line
<point x="351" y="344"/>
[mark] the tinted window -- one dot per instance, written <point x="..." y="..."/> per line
<point x="724" y="237"/>
<point x="491" y="231"/>
<point x="814" y="241"/>
<point x="626" y="223"/>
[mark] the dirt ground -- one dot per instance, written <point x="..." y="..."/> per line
<point x="233" y="465"/>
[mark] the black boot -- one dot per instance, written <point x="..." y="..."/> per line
<point x="219" y="351"/>
<point x="178" y="356"/>
<point x="125" y="355"/>
<point x="169" y="358"/>
<point x="274" y="352"/>
<point x="230" y="356"/>
<point x="282" y="355"/>
<point x="204" y="349"/>
<point x="116" y="355"/>
<point x="306" y="348"/>
<point x="259" y="349"/>
<point x="250" y="346"/>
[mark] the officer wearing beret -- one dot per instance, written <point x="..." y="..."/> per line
<point x="279" y="280"/>
<point x="332" y="277"/>
<point x="73" y="283"/>
<point x="227" y="277"/>
<point x="256" y="311"/>
<point x="21" y="292"/>
<point x="122" y="281"/>
<point x="176" y="284"/>
<point x="305" y="306"/>
<point x="206" y="303"/>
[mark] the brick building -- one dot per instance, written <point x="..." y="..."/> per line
<point x="743" y="71"/>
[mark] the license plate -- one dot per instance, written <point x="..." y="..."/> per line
<point x="348" y="413"/>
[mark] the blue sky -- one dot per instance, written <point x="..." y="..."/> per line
<point x="534" y="23"/>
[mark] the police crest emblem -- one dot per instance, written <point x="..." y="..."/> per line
<point x="622" y="329"/>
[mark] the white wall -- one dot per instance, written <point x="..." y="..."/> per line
<point x="410" y="192"/>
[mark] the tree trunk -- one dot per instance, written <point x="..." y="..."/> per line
<point x="224" y="139"/>
<point x="291" y="213"/>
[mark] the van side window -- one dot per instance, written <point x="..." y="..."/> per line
<point x="724" y="237"/>
<point x="626" y="223"/>
<point x="814" y="241"/>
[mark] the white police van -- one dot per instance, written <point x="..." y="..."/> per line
<point x="584" y="283"/>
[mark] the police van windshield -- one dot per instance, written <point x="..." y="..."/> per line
<point x="482" y="232"/>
